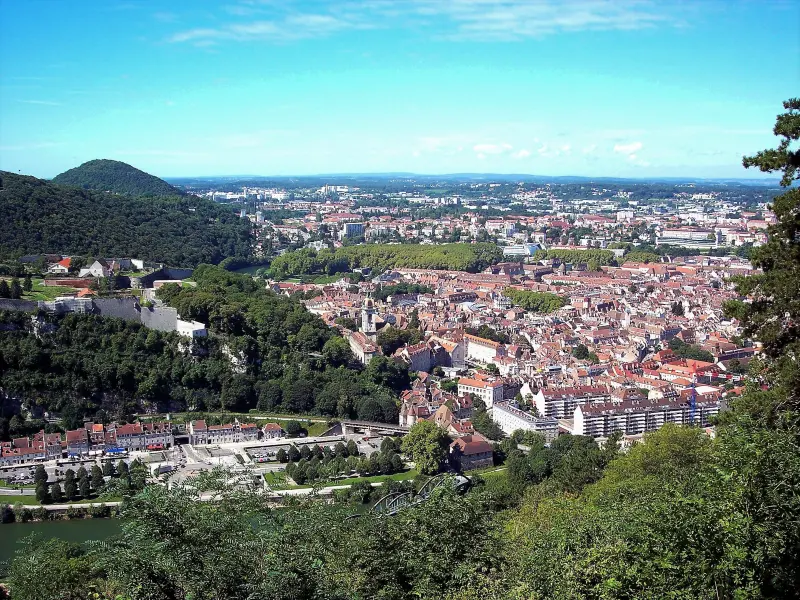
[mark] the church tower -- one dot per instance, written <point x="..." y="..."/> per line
<point x="368" y="318"/>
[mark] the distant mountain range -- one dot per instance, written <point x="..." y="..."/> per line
<point x="116" y="177"/>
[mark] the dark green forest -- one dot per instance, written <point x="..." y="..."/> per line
<point x="382" y="257"/>
<point x="117" y="177"/>
<point x="182" y="231"/>
<point x="267" y="352"/>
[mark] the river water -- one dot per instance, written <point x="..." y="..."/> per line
<point x="76" y="530"/>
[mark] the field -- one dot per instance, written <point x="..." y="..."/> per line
<point x="43" y="292"/>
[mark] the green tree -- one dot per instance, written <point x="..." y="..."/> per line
<point x="84" y="487"/>
<point x="40" y="475"/>
<point x="70" y="485"/>
<point x="55" y="493"/>
<point x="5" y="291"/>
<point x="293" y="428"/>
<point x="42" y="493"/>
<point x="426" y="445"/>
<point x="15" y="290"/>
<point x="581" y="352"/>
<point x="108" y="468"/>
<point x="97" y="478"/>
<point x="281" y="456"/>
<point x="352" y="448"/>
<point x="27" y="284"/>
<point x="773" y="314"/>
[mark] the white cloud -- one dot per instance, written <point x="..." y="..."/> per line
<point x="522" y="153"/>
<point x="630" y="148"/>
<point x="474" y="20"/>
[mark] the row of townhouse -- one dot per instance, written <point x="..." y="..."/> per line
<point x="637" y="417"/>
<point x="41" y="446"/>
<point x="202" y="433"/>
<point x="96" y="437"/>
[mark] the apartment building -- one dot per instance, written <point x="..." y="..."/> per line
<point x="488" y="390"/>
<point x="510" y="418"/>
<point x="636" y="417"/>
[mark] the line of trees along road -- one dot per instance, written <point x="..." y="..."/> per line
<point x="382" y="257"/>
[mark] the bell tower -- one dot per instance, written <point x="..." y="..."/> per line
<point x="368" y="317"/>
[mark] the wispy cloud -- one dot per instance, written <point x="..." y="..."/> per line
<point x="42" y="102"/>
<point x="629" y="148"/>
<point x="473" y="20"/>
<point x="522" y="153"/>
<point x="288" y="28"/>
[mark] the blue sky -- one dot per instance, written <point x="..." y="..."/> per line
<point x="629" y="88"/>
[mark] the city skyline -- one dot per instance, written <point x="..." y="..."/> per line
<point x="585" y="88"/>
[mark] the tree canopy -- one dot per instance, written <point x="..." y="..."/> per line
<point x="179" y="231"/>
<point x="382" y="257"/>
<point x="114" y="176"/>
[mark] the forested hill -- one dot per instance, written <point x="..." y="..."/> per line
<point x="40" y="217"/>
<point x="118" y="177"/>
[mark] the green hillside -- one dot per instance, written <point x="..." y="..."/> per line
<point x="117" y="177"/>
<point x="40" y="217"/>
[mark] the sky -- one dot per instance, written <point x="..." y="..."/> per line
<point x="616" y="88"/>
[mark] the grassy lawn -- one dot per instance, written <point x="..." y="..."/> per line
<point x="32" y="501"/>
<point x="404" y="476"/>
<point x="314" y="429"/>
<point x="43" y="292"/>
<point x="26" y="500"/>
<point x="490" y="471"/>
<point x="251" y="270"/>
<point x="15" y="486"/>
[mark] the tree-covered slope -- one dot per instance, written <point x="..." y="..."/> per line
<point x="40" y="217"/>
<point x="115" y="176"/>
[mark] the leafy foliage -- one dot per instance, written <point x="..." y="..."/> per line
<point x="489" y="333"/>
<point x="593" y="258"/>
<point x="685" y="350"/>
<point x="382" y="257"/>
<point x="539" y="302"/>
<point x="772" y="314"/>
<point x="117" y="177"/>
<point x="179" y="231"/>
<point x="426" y="445"/>
<point x="401" y="288"/>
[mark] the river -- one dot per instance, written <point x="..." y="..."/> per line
<point x="76" y="530"/>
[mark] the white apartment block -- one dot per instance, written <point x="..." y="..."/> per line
<point x="488" y="391"/>
<point x="633" y="418"/>
<point x="510" y="419"/>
